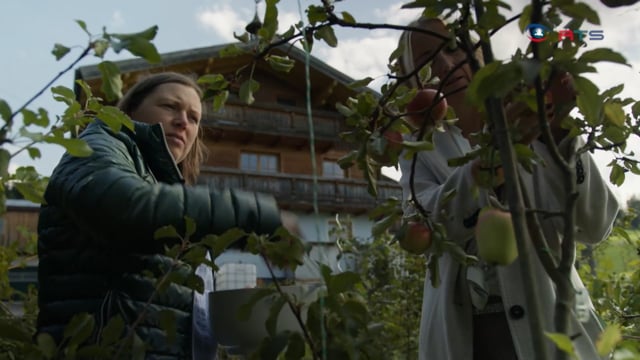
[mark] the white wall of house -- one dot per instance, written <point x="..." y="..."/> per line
<point x="324" y="250"/>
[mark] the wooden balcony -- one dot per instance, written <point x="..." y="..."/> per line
<point x="274" y="122"/>
<point x="295" y="192"/>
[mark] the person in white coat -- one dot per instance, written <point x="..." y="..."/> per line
<point x="459" y="322"/>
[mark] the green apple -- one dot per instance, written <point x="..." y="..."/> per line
<point x="415" y="237"/>
<point x="495" y="237"/>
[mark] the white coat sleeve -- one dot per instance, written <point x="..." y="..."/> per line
<point x="459" y="213"/>
<point x="597" y="206"/>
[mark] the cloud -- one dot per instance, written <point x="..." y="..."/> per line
<point x="394" y="14"/>
<point x="223" y="20"/>
<point x="117" y="20"/>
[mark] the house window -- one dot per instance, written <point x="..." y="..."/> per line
<point x="331" y="169"/>
<point x="259" y="162"/>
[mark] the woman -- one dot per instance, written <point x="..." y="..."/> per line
<point x="480" y="312"/>
<point x="96" y="232"/>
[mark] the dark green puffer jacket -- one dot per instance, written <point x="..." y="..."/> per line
<point x="96" y="234"/>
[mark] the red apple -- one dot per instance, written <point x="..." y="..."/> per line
<point x="386" y="148"/>
<point x="422" y="107"/>
<point x="415" y="237"/>
<point x="495" y="237"/>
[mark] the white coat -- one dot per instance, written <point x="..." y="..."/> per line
<point x="446" y="321"/>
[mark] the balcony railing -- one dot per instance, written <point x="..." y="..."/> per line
<point x="280" y="119"/>
<point x="296" y="191"/>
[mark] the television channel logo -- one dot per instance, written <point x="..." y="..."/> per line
<point x="539" y="33"/>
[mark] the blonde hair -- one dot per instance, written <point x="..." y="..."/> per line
<point x="190" y="166"/>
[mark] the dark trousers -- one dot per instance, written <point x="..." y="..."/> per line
<point x="492" y="338"/>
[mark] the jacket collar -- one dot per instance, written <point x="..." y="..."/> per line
<point x="153" y="146"/>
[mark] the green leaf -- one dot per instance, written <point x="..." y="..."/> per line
<point x="219" y="100"/>
<point x="86" y="89"/>
<point x="74" y="146"/>
<point x="270" y="22"/>
<point x="360" y="83"/>
<point x="244" y="310"/>
<point x="143" y="48"/>
<point x="316" y="14"/>
<point x="417" y="146"/>
<point x="602" y="54"/>
<point x="247" y="89"/>
<point x="348" y="160"/>
<point x="218" y="243"/>
<point x="5" y="158"/>
<point x="168" y="323"/>
<point x="525" y="17"/>
<point x="113" y="331"/>
<point x="83" y="26"/>
<point x="79" y="328"/>
<point x="14" y="331"/>
<point x="563" y="342"/>
<point x="190" y="226"/>
<point x="614" y="113"/>
<point x="147" y="34"/>
<point x="29" y="192"/>
<point x="166" y="232"/>
<point x="111" y="81"/>
<point x="100" y="47"/>
<point x="280" y="63"/>
<point x="617" y="175"/>
<point x="63" y="94"/>
<point x="114" y="118"/>
<point x="635" y="109"/>
<point x="328" y="35"/>
<point x="588" y="100"/>
<point x="59" y="51"/>
<point x="46" y="345"/>
<point x="231" y="51"/>
<point x="5" y="110"/>
<point x="274" y="312"/>
<point x="348" y="18"/>
<point x="296" y="347"/>
<point x="214" y="81"/>
<point x="608" y="340"/>
<point x="581" y="10"/>
<point x="342" y="282"/>
<point x="34" y="153"/>
<point x="381" y="226"/>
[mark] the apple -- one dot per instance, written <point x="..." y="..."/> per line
<point x="418" y="108"/>
<point x="415" y="237"/>
<point x="495" y="237"/>
<point x="386" y="148"/>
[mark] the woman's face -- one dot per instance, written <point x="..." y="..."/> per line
<point x="178" y="108"/>
<point x="443" y="62"/>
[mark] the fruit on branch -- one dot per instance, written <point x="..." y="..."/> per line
<point x="423" y="107"/>
<point x="385" y="149"/>
<point x="495" y="238"/>
<point x="415" y="237"/>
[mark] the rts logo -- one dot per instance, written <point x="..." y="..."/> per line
<point x="539" y="33"/>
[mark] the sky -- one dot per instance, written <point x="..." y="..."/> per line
<point x="30" y="28"/>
